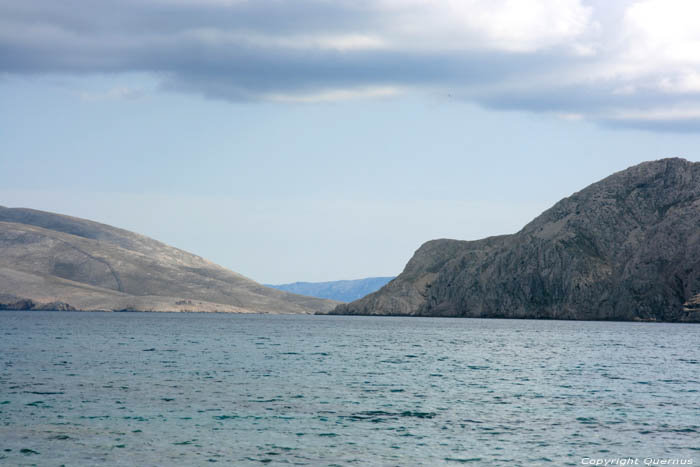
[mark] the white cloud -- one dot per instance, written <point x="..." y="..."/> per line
<point x="507" y="25"/>
<point x="340" y="42"/>
<point x="664" y="31"/>
<point x="685" y="113"/>
<point x="685" y="81"/>
<point x="336" y="95"/>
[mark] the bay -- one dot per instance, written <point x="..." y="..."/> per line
<point x="194" y="389"/>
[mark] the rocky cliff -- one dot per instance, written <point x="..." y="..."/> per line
<point x="51" y="261"/>
<point x="624" y="248"/>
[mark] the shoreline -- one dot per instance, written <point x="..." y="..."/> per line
<point x="3" y="308"/>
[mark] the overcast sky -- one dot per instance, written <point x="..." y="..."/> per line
<point x="322" y="140"/>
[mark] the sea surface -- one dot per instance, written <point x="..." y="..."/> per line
<point x="195" y="389"/>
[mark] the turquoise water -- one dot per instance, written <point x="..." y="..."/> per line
<point x="193" y="389"/>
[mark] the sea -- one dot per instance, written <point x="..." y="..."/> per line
<point x="187" y="389"/>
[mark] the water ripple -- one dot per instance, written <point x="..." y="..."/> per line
<point x="192" y="389"/>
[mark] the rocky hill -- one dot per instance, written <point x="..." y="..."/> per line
<point x="342" y="291"/>
<point x="51" y="261"/>
<point x="624" y="248"/>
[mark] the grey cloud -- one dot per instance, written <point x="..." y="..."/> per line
<point x="151" y="36"/>
<point x="580" y="98"/>
<point x="143" y="16"/>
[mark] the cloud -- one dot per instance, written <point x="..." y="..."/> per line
<point x="336" y="95"/>
<point x="629" y="63"/>
<point x="499" y="25"/>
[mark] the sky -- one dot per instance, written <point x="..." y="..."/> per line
<point x="311" y="140"/>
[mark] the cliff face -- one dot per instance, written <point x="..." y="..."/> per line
<point x="60" y="262"/>
<point x="625" y="248"/>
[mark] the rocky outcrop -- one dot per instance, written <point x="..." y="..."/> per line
<point x="50" y="261"/>
<point x="625" y="248"/>
<point x="25" y="305"/>
<point x="692" y="305"/>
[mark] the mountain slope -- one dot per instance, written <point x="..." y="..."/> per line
<point x="624" y="248"/>
<point x="46" y="257"/>
<point x="342" y="291"/>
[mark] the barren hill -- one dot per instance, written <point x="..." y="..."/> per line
<point x="54" y="261"/>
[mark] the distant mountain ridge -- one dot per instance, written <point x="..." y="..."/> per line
<point x="52" y="261"/>
<point x="342" y="291"/>
<point x="624" y="248"/>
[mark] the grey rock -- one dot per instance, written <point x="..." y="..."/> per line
<point x="692" y="305"/>
<point x="25" y="305"/>
<point x="624" y="248"/>
<point x="56" y="261"/>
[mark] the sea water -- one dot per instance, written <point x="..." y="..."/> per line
<point x="194" y="389"/>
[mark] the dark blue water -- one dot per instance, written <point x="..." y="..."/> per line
<point x="190" y="389"/>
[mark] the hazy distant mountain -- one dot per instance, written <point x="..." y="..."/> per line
<point x="342" y="291"/>
<point x="51" y="261"/>
<point x="625" y="248"/>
